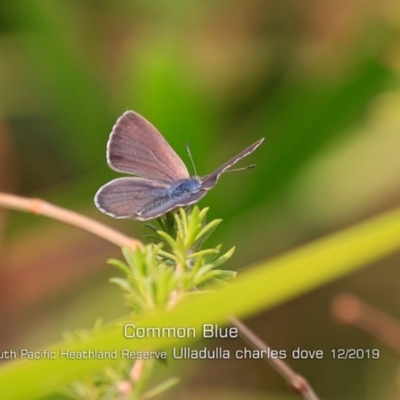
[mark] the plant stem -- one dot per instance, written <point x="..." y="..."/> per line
<point x="41" y="207"/>
<point x="350" y="309"/>
<point x="297" y="382"/>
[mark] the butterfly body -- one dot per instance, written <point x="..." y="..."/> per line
<point x="162" y="183"/>
<point x="186" y="187"/>
<point x="172" y="196"/>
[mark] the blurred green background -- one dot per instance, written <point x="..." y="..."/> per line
<point x="318" y="79"/>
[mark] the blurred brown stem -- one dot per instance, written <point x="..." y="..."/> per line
<point x="41" y="207"/>
<point x="297" y="382"/>
<point x="350" y="309"/>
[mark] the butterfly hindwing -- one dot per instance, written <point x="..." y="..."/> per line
<point x="128" y="197"/>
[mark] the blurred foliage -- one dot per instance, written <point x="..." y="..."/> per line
<point x="318" y="79"/>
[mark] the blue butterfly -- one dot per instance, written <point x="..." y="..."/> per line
<point x="163" y="182"/>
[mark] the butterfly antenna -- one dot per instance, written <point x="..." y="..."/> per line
<point x="242" y="168"/>
<point x="191" y="158"/>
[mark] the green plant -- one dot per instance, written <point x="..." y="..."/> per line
<point x="156" y="277"/>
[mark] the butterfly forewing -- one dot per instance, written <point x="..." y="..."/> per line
<point x="136" y="147"/>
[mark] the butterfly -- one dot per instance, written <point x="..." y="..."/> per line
<point x="162" y="183"/>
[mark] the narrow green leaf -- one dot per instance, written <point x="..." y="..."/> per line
<point x="170" y="241"/>
<point x="225" y="257"/>
<point x="119" y="264"/>
<point x="122" y="283"/>
<point x="203" y="212"/>
<point x="165" y="254"/>
<point x="225" y="275"/>
<point x="208" y="229"/>
<point x="202" y="253"/>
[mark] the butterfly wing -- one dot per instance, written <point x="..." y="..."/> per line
<point x="162" y="206"/>
<point x="139" y="198"/>
<point x="210" y="181"/>
<point x="129" y="197"/>
<point x="136" y="147"/>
